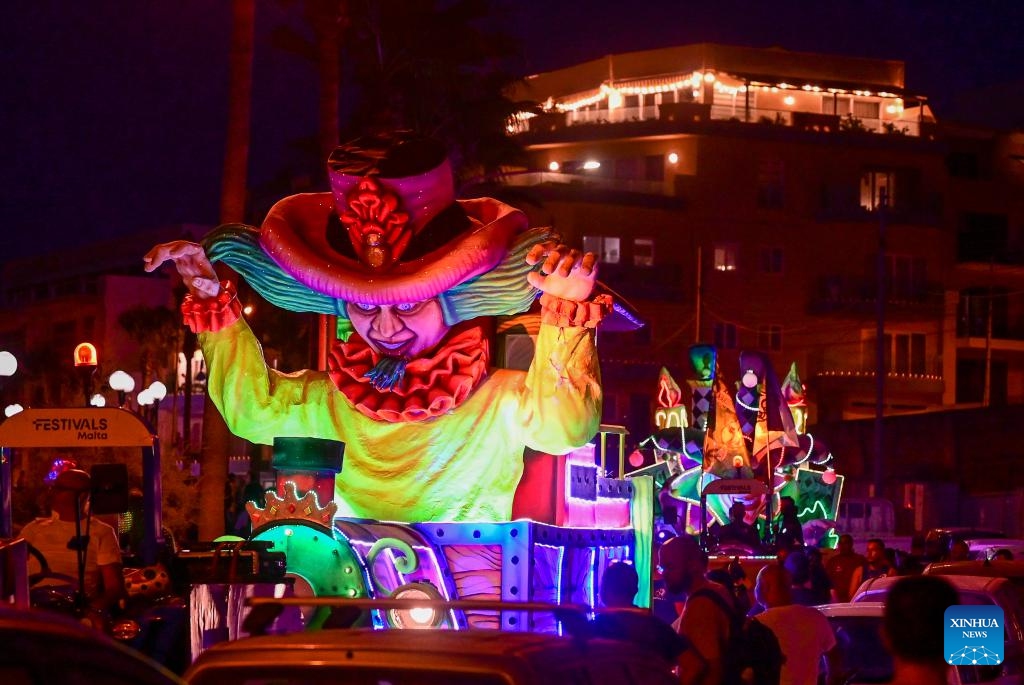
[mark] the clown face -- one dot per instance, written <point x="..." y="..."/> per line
<point x="399" y="330"/>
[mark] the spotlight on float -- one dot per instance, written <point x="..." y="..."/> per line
<point x="415" y="618"/>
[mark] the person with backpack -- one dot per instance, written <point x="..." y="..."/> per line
<point x="703" y="622"/>
<point x="803" y="633"/>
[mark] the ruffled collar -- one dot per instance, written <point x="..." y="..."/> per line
<point x="432" y="386"/>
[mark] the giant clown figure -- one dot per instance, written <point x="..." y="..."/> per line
<point x="433" y="432"/>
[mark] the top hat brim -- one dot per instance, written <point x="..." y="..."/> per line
<point x="294" y="236"/>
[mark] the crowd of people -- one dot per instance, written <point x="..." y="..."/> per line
<point x="713" y="605"/>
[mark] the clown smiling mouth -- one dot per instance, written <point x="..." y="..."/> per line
<point x="393" y="345"/>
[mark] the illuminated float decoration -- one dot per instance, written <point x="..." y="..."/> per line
<point x="434" y="437"/>
<point x="757" y="432"/>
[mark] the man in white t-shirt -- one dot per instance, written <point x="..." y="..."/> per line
<point x="59" y="542"/>
<point x="803" y="632"/>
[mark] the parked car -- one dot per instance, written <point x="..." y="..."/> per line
<point x="862" y="655"/>
<point x="45" y="647"/>
<point x="1013" y="571"/>
<point x="400" y="657"/>
<point x="985" y="548"/>
<point x="938" y="541"/>
<point x="977" y="590"/>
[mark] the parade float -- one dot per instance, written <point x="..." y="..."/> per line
<point x="747" y="443"/>
<point x="411" y="466"/>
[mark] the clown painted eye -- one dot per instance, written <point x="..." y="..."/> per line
<point x="363" y="307"/>
<point x="407" y="306"/>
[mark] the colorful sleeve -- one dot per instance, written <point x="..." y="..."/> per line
<point x="259" y="403"/>
<point x="560" y="402"/>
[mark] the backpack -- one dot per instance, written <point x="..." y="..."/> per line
<point x="752" y="654"/>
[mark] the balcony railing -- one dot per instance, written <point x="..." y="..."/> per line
<point x="628" y="185"/>
<point x="719" y="111"/>
<point x="834" y="364"/>
<point x="843" y="293"/>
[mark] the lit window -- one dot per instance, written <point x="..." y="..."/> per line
<point x="605" y="247"/>
<point x="769" y="338"/>
<point x="876" y="187"/>
<point x="725" y="258"/>
<point x="725" y="335"/>
<point x="643" y="252"/>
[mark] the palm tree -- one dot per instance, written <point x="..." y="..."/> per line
<point x="439" y="69"/>
<point x="216" y="438"/>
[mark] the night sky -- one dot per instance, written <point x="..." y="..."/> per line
<point x="113" y="113"/>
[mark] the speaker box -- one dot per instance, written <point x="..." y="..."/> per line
<point x="109" y="489"/>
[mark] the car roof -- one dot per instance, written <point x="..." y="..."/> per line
<point x="978" y="568"/>
<point x="968" y="531"/>
<point x="33" y="637"/>
<point x="987" y="584"/>
<point x="854" y="609"/>
<point x="523" y="655"/>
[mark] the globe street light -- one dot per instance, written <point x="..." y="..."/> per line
<point x="123" y="383"/>
<point x="12" y="409"/>
<point x="98" y="400"/>
<point x="8" y="364"/>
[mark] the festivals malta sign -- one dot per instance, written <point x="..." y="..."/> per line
<point x="75" y="427"/>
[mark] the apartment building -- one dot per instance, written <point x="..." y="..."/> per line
<point x="763" y="199"/>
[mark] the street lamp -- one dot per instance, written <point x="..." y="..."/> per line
<point x="123" y="383"/>
<point x="98" y="400"/>
<point x="8" y="366"/>
<point x="86" y="361"/>
<point x="150" y="398"/>
<point x="12" y="409"/>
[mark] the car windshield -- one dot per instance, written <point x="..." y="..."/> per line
<point x="862" y="654"/>
<point x="319" y="674"/>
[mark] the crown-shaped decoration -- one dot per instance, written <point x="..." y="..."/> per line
<point x="377" y="226"/>
<point x="291" y="507"/>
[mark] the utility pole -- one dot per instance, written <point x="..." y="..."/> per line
<point x="880" y="367"/>
<point x="700" y="286"/>
<point x="986" y="398"/>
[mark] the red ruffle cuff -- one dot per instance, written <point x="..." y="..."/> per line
<point x="210" y="316"/>
<point x="569" y="314"/>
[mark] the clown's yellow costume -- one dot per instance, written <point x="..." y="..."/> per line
<point x="436" y="436"/>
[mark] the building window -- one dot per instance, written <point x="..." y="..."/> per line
<point x="770" y="184"/>
<point x="654" y="167"/>
<point x="875" y="184"/>
<point x="769" y="338"/>
<point x="643" y="252"/>
<point x="629" y="168"/>
<point x="905" y="353"/>
<point x="834" y="105"/>
<point x="904" y="276"/>
<point x="725" y="335"/>
<point x="865" y="109"/>
<point x="725" y="257"/>
<point x="771" y="260"/>
<point x="605" y="247"/>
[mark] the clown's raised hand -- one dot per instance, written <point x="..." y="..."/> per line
<point x="565" y="272"/>
<point x="192" y="264"/>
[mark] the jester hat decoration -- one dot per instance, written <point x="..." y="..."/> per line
<point x="389" y="232"/>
